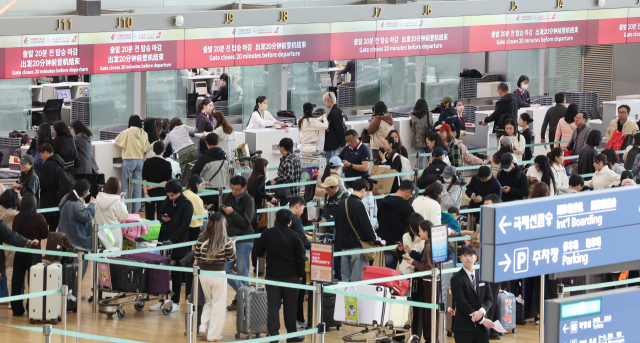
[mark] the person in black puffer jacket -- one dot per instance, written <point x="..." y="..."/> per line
<point x="335" y="138"/>
<point x="65" y="147"/>
<point x="449" y="116"/>
<point x="432" y="172"/>
<point x="506" y="107"/>
<point x="513" y="180"/>
<point x="588" y="152"/>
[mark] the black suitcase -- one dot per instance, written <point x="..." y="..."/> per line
<point x="70" y="279"/>
<point x="524" y="309"/>
<point x="328" y="307"/>
<point x="127" y="279"/>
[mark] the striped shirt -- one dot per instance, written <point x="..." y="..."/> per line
<point x="217" y="263"/>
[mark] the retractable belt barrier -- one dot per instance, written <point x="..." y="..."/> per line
<point x="30" y="295"/>
<point x="601" y="285"/>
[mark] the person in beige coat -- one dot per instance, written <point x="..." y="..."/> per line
<point x="379" y="127"/>
<point x="134" y="143"/>
<point x="309" y="128"/>
<point x="604" y="176"/>
<point x="628" y="127"/>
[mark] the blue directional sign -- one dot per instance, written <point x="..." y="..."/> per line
<point x="562" y="254"/>
<point x="604" y="317"/>
<point x="560" y="215"/>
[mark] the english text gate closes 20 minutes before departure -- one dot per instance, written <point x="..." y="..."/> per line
<point x="559" y="234"/>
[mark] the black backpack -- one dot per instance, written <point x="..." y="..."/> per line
<point x="631" y="158"/>
<point x="65" y="184"/>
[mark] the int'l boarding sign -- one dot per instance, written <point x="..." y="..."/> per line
<point x="321" y="262"/>
<point x="559" y="234"/>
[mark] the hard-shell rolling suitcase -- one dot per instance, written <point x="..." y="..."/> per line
<point x="127" y="279"/>
<point x="252" y="310"/>
<point x="523" y="310"/>
<point x="156" y="281"/>
<point x="361" y="311"/>
<point x="399" y="314"/>
<point x="507" y="310"/>
<point x="70" y="279"/>
<point x="328" y="308"/>
<point x="45" y="277"/>
<point x="397" y="287"/>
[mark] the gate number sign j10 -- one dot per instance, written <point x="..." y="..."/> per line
<point x="559" y="234"/>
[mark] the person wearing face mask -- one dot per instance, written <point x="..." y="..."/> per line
<point x="451" y="191"/>
<point x="261" y="118"/>
<point x="522" y="94"/>
<point x="512" y="179"/>
<point x="449" y="116"/>
<point x="203" y="122"/>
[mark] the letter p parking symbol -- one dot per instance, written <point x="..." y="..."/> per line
<point x="521" y="260"/>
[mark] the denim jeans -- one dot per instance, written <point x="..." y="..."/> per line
<point x="243" y="263"/>
<point x="391" y="259"/>
<point x="421" y="151"/>
<point x="133" y="169"/>
<point x="329" y="154"/>
<point x="352" y="266"/>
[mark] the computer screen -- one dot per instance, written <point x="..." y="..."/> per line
<point x="595" y="113"/>
<point x="64" y="94"/>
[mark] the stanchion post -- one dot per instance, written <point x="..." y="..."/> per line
<point x="416" y="176"/>
<point x="47" y="333"/>
<point x="316" y="313"/>
<point x="94" y="268"/>
<point x="65" y="294"/>
<point x="418" y="160"/>
<point x="79" y="293"/>
<point x="220" y="190"/>
<point x="441" y="316"/>
<point x="316" y="227"/>
<point x="542" y="285"/>
<point x="560" y="291"/>
<point x="130" y="195"/>
<point x="318" y="213"/>
<point x="434" y="297"/>
<point x="194" y="296"/>
<point x="189" y="323"/>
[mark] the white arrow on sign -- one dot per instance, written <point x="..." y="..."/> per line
<point x="564" y="329"/>
<point x="507" y="262"/>
<point x="502" y="225"/>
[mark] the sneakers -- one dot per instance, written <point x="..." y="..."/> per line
<point x="295" y="339"/>
<point x="537" y="320"/>
<point x="175" y="308"/>
<point x="156" y="307"/>
<point x="233" y="306"/>
<point x="202" y="333"/>
<point x="301" y="325"/>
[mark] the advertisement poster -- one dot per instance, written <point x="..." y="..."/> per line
<point x="105" y="52"/>
<point x="10" y="56"/>
<point x="398" y="38"/>
<point x="157" y="50"/>
<point x="353" y="40"/>
<point x="321" y="262"/>
<point x="48" y="55"/>
<point x="306" y="42"/>
<point x="442" y="36"/>
<point x="439" y="244"/>
<point x="260" y="45"/>
<point x="213" y="47"/>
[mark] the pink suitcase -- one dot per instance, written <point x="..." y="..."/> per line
<point x="398" y="287"/>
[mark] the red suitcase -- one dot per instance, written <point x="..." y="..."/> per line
<point x="157" y="281"/>
<point x="398" y="287"/>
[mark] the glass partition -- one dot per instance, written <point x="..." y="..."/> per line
<point x="261" y="80"/>
<point x="441" y="77"/>
<point x="15" y="102"/>
<point x="398" y="81"/>
<point x="166" y="94"/>
<point x="304" y="85"/>
<point x="524" y="62"/>
<point x="367" y="83"/>
<point x="111" y="100"/>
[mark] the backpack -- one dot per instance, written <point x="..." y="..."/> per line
<point x="66" y="181"/>
<point x="406" y="167"/>
<point x="616" y="141"/>
<point x="631" y="158"/>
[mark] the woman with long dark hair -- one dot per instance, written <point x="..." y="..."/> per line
<point x="556" y="157"/>
<point x="506" y="147"/>
<point x="76" y="217"/>
<point x="400" y="149"/>
<point x="195" y="227"/>
<point x="87" y="166"/>
<point x="541" y="172"/>
<point x="391" y="158"/>
<point x="43" y="136"/>
<point x="604" y="177"/>
<point x="204" y="123"/>
<point x="110" y="209"/>
<point x="153" y="135"/>
<point x="433" y="141"/>
<point x="261" y="118"/>
<point x="65" y="146"/>
<point x="421" y="123"/>
<point x="32" y="225"/>
<point x="566" y="126"/>
<point x="588" y="152"/>
<point x="524" y="122"/>
<point x="224" y="130"/>
<point x="29" y="182"/>
<point x="256" y="189"/>
<point x="518" y="141"/>
<point x="183" y="146"/>
<point x="310" y="127"/>
<point x="213" y="250"/>
<point x="134" y="143"/>
<point x="414" y="246"/>
<point x="631" y="152"/>
<point x="379" y="126"/>
<point x="451" y="190"/>
<point x="614" y="160"/>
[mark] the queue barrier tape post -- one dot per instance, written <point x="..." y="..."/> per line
<point x="65" y="294"/>
<point x="81" y="262"/>
<point x="434" y="300"/>
<point x="560" y="291"/>
<point x="47" y="333"/>
<point x="189" y="322"/>
<point x="541" y="332"/>
<point x="194" y="295"/>
<point x="94" y="270"/>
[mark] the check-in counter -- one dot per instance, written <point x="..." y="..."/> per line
<point x="538" y="114"/>
<point x="239" y="139"/>
<point x="402" y="125"/>
<point x="610" y="112"/>
<point x="267" y="140"/>
<point x="483" y="136"/>
<point x="108" y="156"/>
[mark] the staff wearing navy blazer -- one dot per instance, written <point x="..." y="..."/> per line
<point x="473" y="300"/>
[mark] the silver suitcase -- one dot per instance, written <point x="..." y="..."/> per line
<point x="45" y="277"/>
<point x="252" y="313"/>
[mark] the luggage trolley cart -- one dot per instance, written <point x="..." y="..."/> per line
<point x="307" y="173"/>
<point x="240" y="161"/>
<point x="131" y="295"/>
<point x="382" y="319"/>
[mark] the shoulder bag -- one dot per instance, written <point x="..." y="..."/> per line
<point x="369" y="256"/>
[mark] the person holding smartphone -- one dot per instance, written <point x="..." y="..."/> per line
<point x="195" y="226"/>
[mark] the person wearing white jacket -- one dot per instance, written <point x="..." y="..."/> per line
<point x="309" y="128"/>
<point x="429" y="205"/>
<point x="413" y="241"/>
<point x="451" y="190"/>
<point x="261" y="118"/>
<point x="556" y="157"/>
<point x="519" y="143"/>
<point x="111" y="209"/>
<point x="604" y="176"/>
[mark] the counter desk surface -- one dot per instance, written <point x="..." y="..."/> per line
<point x="267" y="140"/>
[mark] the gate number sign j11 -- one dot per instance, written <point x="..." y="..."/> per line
<point x="559" y="234"/>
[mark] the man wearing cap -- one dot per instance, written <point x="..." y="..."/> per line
<point x="512" y="179"/>
<point x="29" y="181"/>
<point x="480" y="186"/>
<point x="355" y="157"/>
<point x="433" y="171"/>
<point x="449" y="116"/>
<point x="453" y="148"/>
<point x="332" y="200"/>
<point x="309" y="128"/>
